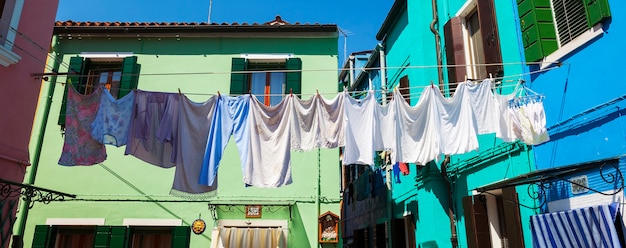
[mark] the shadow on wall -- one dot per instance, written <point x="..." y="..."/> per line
<point x="587" y="124"/>
<point x="429" y="244"/>
<point x="300" y="238"/>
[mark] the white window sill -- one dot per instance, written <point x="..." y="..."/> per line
<point x="75" y="221"/>
<point x="152" y="222"/>
<point x="8" y="57"/>
<point x="581" y="40"/>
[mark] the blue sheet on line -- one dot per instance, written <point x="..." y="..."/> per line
<point x="583" y="227"/>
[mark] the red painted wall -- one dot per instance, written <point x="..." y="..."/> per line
<point x="19" y="93"/>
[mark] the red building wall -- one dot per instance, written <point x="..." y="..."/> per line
<point x="19" y="93"/>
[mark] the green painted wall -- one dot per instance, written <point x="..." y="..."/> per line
<point x="198" y="67"/>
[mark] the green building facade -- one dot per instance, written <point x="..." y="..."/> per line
<point x="125" y="202"/>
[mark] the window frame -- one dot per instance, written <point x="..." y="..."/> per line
<point x="12" y="9"/>
<point x="239" y="78"/>
<point x="78" y="72"/>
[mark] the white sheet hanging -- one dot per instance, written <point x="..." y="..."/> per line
<point x="362" y="130"/>
<point x="268" y="164"/>
<point x="317" y="123"/>
<point x="418" y="135"/>
<point x="457" y="124"/>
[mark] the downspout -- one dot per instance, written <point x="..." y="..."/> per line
<point x="351" y="60"/>
<point x="383" y="71"/>
<point x="24" y="207"/>
<point x="446" y="162"/>
<point x="444" y="174"/>
<point x="438" y="45"/>
<point x="388" y="169"/>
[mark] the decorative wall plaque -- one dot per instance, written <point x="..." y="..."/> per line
<point x="328" y="228"/>
<point x="253" y="211"/>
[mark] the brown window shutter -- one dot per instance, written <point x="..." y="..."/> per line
<point x="404" y="89"/>
<point x="455" y="50"/>
<point x="512" y="219"/>
<point x="476" y="221"/>
<point x="491" y="39"/>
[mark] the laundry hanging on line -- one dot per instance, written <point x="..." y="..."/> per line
<point x="414" y="134"/>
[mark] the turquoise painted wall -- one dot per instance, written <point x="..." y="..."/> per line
<point x="202" y="66"/>
<point x="410" y="46"/>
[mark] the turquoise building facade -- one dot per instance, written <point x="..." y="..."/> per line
<point x="443" y="203"/>
<point x="124" y="201"/>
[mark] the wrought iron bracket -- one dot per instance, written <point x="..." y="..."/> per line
<point x="30" y="193"/>
<point x="538" y="190"/>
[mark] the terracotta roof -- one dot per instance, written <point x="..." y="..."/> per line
<point x="277" y="21"/>
<point x="177" y="29"/>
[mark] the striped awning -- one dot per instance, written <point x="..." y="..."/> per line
<point x="583" y="227"/>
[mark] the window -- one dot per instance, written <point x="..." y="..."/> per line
<point x="268" y="85"/>
<point x="10" y="11"/>
<point x="111" y="236"/>
<point x="74" y="237"/>
<point x="471" y="41"/>
<point x="118" y="75"/>
<point x="493" y="220"/>
<point x="150" y="237"/>
<point x="403" y="232"/>
<point x="548" y="26"/>
<point x="250" y="233"/>
<point x="405" y="91"/>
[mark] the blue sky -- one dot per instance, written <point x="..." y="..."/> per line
<point x="359" y="19"/>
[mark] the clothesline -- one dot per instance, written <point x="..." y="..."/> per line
<point x="558" y="64"/>
<point x="421" y="86"/>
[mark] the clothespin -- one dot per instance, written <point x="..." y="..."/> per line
<point x="432" y="84"/>
<point x="218" y="93"/>
<point x="290" y="91"/>
<point x="179" y="91"/>
<point x="317" y="91"/>
<point x="490" y="76"/>
<point x="465" y="77"/>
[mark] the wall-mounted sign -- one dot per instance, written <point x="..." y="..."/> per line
<point x="328" y="225"/>
<point x="579" y="184"/>
<point x="253" y="211"/>
<point x="198" y="226"/>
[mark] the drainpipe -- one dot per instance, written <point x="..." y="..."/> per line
<point x="24" y="207"/>
<point x="351" y="71"/>
<point x="444" y="174"/>
<point x="383" y="71"/>
<point x="446" y="162"/>
<point x="438" y="45"/>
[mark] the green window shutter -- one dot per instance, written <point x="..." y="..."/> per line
<point x="74" y="76"/>
<point x="181" y="237"/>
<point x="40" y="238"/>
<point x="130" y="75"/>
<point x="294" y="79"/>
<point x="597" y="10"/>
<point x="102" y="237"/>
<point x="119" y="237"/>
<point x="537" y="26"/>
<point x="238" y="81"/>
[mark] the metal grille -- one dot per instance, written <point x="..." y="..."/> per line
<point x="570" y="18"/>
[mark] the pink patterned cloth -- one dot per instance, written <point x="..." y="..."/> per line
<point x="79" y="147"/>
